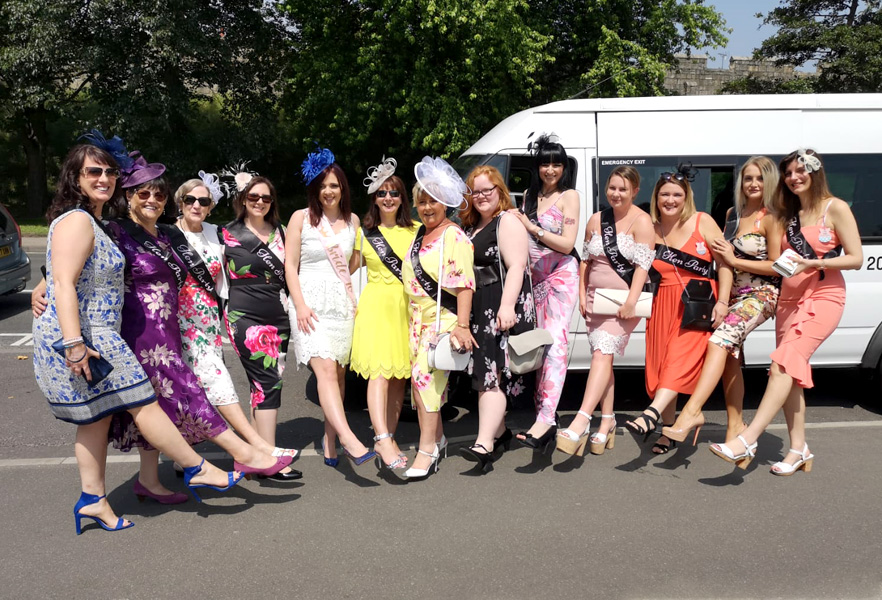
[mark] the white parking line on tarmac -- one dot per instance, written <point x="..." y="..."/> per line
<point x="134" y="458"/>
<point x="23" y="339"/>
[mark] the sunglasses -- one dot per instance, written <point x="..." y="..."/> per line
<point x="145" y="195"/>
<point x="675" y="176"/>
<point x="95" y="172"/>
<point x="392" y="193"/>
<point x="189" y="200"/>
<point x="255" y="197"/>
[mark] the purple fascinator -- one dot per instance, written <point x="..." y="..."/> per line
<point x="140" y="171"/>
<point x="315" y="163"/>
<point x="114" y="146"/>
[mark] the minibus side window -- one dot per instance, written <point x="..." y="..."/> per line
<point x="857" y="179"/>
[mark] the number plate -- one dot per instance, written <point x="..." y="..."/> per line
<point x="5" y="251"/>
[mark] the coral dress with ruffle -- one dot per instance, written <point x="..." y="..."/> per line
<point x="809" y="310"/>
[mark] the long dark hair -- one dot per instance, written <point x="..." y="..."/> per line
<point x="239" y="201"/>
<point x="787" y="203"/>
<point x="314" y="205"/>
<point x="547" y="152"/>
<point x="68" y="194"/>
<point x="402" y="217"/>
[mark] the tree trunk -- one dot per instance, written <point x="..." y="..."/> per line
<point x="33" y="132"/>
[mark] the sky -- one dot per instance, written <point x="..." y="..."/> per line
<point x="748" y="32"/>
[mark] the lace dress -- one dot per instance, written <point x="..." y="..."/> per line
<point x="607" y="333"/>
<point x="99" y="291"/>
<point x="326" y="295"/>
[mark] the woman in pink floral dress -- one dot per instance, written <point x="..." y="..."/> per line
<point x="551" y="216"/>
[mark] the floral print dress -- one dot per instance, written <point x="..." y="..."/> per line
<point x="257" y="312"/>
<point x="489" y="366"/>
<point x="201" y="329"/>
<point x="150" y="327"/>
<point x="458" y="273"/>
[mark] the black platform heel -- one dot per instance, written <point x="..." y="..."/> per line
<point x="650" y="421"/>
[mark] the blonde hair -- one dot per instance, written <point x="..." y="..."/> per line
<point x="469" y="215"/>
<point x="688" y="206"/>
<point x="769" y="172"/>
<point x="627" y="173"/>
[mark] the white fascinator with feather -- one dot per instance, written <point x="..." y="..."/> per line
<point x="441" y="181"/>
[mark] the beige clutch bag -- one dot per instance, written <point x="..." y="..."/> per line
<point x="608" y="302"/>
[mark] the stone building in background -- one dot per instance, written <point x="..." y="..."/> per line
<point x="693" y="77"/>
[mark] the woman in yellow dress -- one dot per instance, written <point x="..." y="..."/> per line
<point x="380" y="350"/>
<point x="438" y="187"/>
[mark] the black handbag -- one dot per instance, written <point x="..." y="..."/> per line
<point x="698" y="306"/>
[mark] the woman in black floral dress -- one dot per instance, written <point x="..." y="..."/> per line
<point x="502" y="305"/>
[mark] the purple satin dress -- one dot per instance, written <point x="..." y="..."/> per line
<point x="150" y="328"/>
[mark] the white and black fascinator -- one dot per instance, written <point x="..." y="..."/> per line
<point x="811" y="162"/>
<point x="213" y="185"/>
<point x="234" y="179"/>
<point x="377" y="176"/>
<point x="441" y="181"/>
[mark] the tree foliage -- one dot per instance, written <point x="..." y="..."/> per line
<point x="844" y="37"/>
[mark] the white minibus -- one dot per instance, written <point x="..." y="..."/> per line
<point x="716" y="134"/>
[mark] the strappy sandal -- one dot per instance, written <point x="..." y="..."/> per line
<point x="650" y="422"/>
<point x="397" y="464"/>
<point x="659" y="448"/>
<point x="783" y="469"/>
<point x="572" y="443"/>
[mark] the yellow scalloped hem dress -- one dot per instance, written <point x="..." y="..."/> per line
<point x="380" y="346"/>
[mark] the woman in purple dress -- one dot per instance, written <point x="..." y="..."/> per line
<point x="153" y="276"/>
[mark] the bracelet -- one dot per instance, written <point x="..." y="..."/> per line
<point x="79" y="360"/>
<point x="823" y="266"/>
<point x="722" y="302"/>
<point x="466" y="326"/>
<point x="70" y="343"/>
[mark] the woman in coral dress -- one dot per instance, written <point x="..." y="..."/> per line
<point x="818" y="227"/>
<point x="674" y="355"/>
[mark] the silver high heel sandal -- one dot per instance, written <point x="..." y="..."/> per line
<point x="414" y="473"/>
<point x="572" y="443"/>
<point x="600" y="442"/>
<point x="395" y="465"/>
<point x="786" y="469"/>
<point x="741" y="460"/>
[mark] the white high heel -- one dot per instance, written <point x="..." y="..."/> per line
<point x="741" y="460"/>
<point x="786" y="469"/>
<point x="600" y="442"/>
<point x="414" y="473"/>
<point x="442" y="445"/>
<point x="570" y="442"/>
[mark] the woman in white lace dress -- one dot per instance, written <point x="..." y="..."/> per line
<point x="608" y="334"/>
<point x="320" y="242"/>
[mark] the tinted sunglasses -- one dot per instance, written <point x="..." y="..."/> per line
<point x="189" y="200"/>
<point x="255" y="197"/>
<point x="95" y="172"/>
<point x="145" y="195"/>
<point x="392" y="193"/>
<point x="675" y="176"/>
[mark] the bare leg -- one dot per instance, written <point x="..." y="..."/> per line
<point x="158" y="429"/>
<point x="378" y="406"/>
<point x="715" y="361"/>
<point x="394" y="402"/>
<point x="242" y="451"/>
<point x="328" y="376"/>
<point x="90" y="450"/>
<point x="777" y="391"/>
<point x="430" y="422"/>
<point x="794" y="412"/>
<point x="733" y="388"/>
<point x="607" y="405"/>
<point x="265" y="422"/>
<point x="665" y="402"/>
<point x="149" y="472"/>
<point x="597" y="388"/>
<point x="491" y="417"/>
<point x="235" y="416"/>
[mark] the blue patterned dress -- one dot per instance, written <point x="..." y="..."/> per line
<point x="100" y="296"/>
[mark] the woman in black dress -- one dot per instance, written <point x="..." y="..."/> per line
<point x="502" y="304"/>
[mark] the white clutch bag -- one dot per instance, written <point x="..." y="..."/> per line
<point x="609" y="301"/>
<point x="443" y="357"/>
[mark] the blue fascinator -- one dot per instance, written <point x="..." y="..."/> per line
<point x="315" y="163"/>
<point x="114" y="146"/>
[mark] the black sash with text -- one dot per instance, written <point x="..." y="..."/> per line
<point x="621" y="265"/>
<point x="151" y="244"/>
<point x="428" y="284"/>
<point x="801" y="245"/>
<point x="191" y="258"/>
<point x="384" y="251"/>
<point x="685" y="261"/>
<point x="253" y="244"/>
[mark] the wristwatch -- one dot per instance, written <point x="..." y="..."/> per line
<point x="540" y="233"/>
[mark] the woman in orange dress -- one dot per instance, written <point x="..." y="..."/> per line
<point x="818" y="227"/>
<point x="674" y="355"/>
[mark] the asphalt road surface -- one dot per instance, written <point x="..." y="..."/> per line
<point x="623" y="525"/>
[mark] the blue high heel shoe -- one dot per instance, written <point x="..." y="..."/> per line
<point x="86" y="500"/>
<point x="359" y="460"/>
<point x="331" y="462"/>
<point x="191" y="472"/>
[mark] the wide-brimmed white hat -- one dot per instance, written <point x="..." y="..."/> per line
<point x="441" y="181"/>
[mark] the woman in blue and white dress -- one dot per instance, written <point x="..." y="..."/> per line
<point x="84" y="292"/>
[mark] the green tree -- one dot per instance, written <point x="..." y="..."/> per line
<point x="408" y="77"/>
<point x="609" y="48"/>
<point x="144" y="64"/>
<point x="844" y="37"/>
